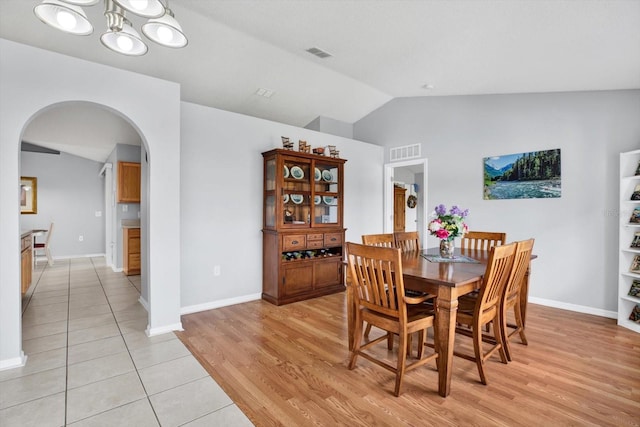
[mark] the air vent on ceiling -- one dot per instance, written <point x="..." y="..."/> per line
<point x="405" y="152"/>
<point x="319" y="52"/>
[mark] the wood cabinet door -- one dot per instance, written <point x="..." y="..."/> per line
<point x="128" y="182"/>
<point x="297" y="278"/>
<point x="327" y="273"/>
<point x="26" y="262"/>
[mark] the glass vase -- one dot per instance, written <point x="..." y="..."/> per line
<point x="447" y="248"/>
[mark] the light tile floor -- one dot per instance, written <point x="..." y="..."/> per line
<point x="91" y="364"/>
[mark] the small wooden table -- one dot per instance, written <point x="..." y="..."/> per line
<point x="448" y="281"/>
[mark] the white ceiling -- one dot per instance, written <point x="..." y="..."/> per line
<point x="381" y="49"/>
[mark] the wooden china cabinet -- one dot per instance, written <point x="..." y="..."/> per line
<point x="303" y="234"/>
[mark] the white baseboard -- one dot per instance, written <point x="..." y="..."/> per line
<point x="164" y="329"/>
<point x="574" y="307"/>
<point x="220" y="303"/>
<point x="14" y="362"/>
<point x="144" y="303"/>
<point x="75" y="256"/>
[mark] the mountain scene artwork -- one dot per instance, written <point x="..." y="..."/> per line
<point x="523" y="175"/>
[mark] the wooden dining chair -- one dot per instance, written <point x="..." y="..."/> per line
<point x="482" y="240"/>
<point x="388" y="240"/>
<point x="385" y="240"/>
<point x="378" y="290"/>
<point x="407" y="240"/>
<point x="476" y="312"/>
<point x="43" y="248"/>
<point x="511" y="295"/>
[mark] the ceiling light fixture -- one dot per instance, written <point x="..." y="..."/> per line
<point x="121" y="37"/>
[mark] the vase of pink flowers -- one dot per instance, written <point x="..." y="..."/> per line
<point x="446" y="226"/>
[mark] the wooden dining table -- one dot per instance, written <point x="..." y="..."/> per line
<point x="448" y="281"/>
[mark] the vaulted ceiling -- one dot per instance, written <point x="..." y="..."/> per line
<point x="381" y="49"/>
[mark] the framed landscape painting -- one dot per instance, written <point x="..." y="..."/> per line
<point x="28" y="195"/>
<point x="523" y="175"/>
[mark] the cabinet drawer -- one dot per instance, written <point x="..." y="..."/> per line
<point x="294" y="242"/>
<point x="315" y="244"/>
<point x="332" y="239"/>
<point x="316" y="236"/>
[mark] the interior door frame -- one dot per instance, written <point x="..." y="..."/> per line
<point x="389" y="169"/>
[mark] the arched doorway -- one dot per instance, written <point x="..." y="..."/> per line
<point x="65" y="145"/>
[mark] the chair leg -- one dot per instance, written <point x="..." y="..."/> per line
<point x="520" y="324"/>
<point x="389" y="336"/>
<point x="402" y="358"/>
<point x="500" y="342"/>
<point x="357" y="340"/>
<point x="49" y="257"/>
<point x="421" y="340"/>
<point x="477" y="349"/>
<point x="504" y="332"/>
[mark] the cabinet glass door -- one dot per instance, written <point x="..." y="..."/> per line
<point x="296" y="192"/>
<point x="326" y="203"/>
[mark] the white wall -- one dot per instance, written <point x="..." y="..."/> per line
<point x="221" y="199"/>
<point x="152" y="106"/>
<point x="70" y="192"/>
<point x="576" y="235"/>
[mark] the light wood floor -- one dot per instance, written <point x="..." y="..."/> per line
<point x="287" y="366"/>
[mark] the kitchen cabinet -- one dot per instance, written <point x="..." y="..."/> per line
<point x="128" y="182"/>
<point x="303" y="234"/>
<point x="26" y="262"/>
<point x="131" y="251"/>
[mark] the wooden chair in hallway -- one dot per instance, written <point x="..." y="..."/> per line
<point x="378" y="290"/>
<point x="511" y="295"/>
<point x="407" y="240"/>
<point x="476" y="312"/>
<point x="482" y="240"/>
<point x="43" y="248"/>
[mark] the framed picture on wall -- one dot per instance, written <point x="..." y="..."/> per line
<point x="530" y="175"/>
<point x="28" y="195"/>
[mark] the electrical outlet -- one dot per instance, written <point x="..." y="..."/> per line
<point x="125" y="208"/>
<point x="216" y="270"/>
<point x="98" y="213"/>
<point x="80" y="238"/>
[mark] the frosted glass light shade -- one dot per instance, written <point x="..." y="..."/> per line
<point x="165" y="31"/>
<point x="144" y="8"/>
<point x="82" y="2"/>
<point x="127" y="41"/>
<point x="64" y="17"/>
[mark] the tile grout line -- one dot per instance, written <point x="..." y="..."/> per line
<point x="125" y="341"/>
